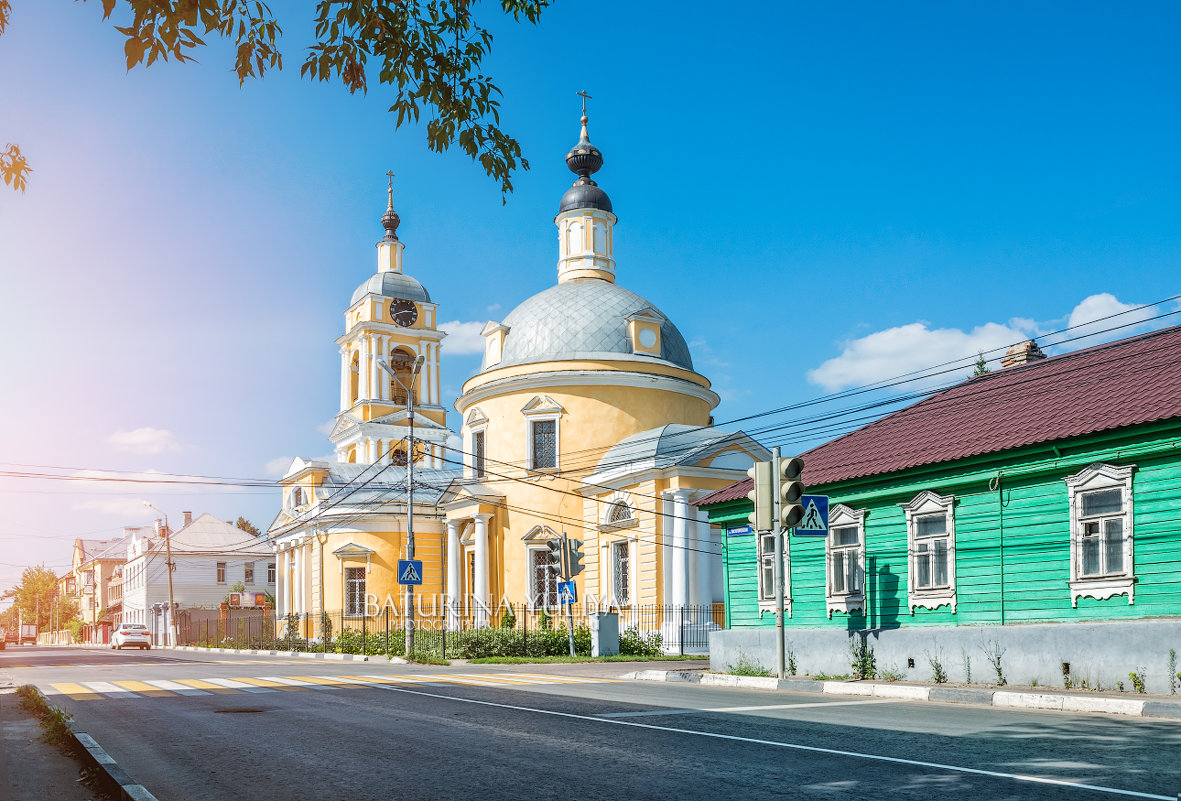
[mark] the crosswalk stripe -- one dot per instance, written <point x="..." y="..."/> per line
<point x="204" y="685"/>
<point x="322" y="681"/>
<point x="294" y="684"/>
<point x="233" y="684"/>
<point x="108" y="690"/>
<point x="143" y="689"/>
<point x="75" y="691"/>
<point x="271" y="685"/>
<point x="179" y="689"/>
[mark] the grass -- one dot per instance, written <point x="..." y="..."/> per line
<point x="423" y="659"/>
<point x="54" y="721"/>
<point x="529" y="660"/>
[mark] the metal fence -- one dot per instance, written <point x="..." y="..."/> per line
<point x="508" y="630"/>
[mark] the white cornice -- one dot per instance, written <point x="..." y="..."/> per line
<point x="593" y="378"/>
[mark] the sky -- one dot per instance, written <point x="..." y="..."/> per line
<point x="820" y="196"/>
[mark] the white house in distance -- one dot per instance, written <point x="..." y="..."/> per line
<point x="209" y="555"/>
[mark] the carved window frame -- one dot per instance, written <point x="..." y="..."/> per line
<point x="929" y="503"/>
<point x="841" y="516"/>
<point x="1101" y="477"/>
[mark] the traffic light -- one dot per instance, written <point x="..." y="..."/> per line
<point x="574" y="555"/>
<point x="791" y="489"/>
<point x="558" y="565"/>
<point x="762" y="495"/>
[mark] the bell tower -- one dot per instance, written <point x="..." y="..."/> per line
<point x="585" y="221"/>
<point x="389" y="326"/>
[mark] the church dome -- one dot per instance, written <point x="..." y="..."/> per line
<point x="585" y="319"/>
<point x="392" y="285"/>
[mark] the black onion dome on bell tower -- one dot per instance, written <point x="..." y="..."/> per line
<point x="584" y="159"/>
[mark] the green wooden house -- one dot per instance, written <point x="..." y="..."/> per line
<point x="1033" y="512"/>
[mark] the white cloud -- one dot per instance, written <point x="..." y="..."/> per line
<point x="914" y="347"/>
<point x="145" y="441"/>
<point x="122" y="495"/>
<point x="463" y="338"/>
<point x="907" y="348"/>
<point x="278" y="466"/>
<point x="129" y="510"/>
<point x="1089" y="314"/>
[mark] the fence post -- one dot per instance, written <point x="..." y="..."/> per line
<point x="364" y="632"/>
<point x="525" y="630"/>
<point x="387" y="631"/>
<point x="682" y="637"/>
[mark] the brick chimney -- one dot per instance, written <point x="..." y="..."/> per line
<point x="1022" y="353"/>
<point x="189" y="515"/>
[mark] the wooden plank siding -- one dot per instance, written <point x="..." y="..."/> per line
<point x="1012" y="541"/>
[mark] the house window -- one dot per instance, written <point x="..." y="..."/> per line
<point x="621" y="572"/>
<point x="478" y="454"/>
<point x="221" y="572"/>
<point x="1101" y="556"/>
<point x="845" y="557"/>
<point x="619" y="514"/>
<point x="543" y="570"/>
<point x="250" y="572"/>
<point x="844" y="560"/>
<point x="354" y="591"/>
<point x="543" y="443"/>
<point x="930" y="534"/>
<point x="766" y="556"/>
<point x="271" y="573"/>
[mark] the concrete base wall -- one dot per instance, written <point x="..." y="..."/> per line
<point x="1102" y="654"/>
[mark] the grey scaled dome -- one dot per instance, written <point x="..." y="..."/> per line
<point x="584" y="319"/>
<point x="392" y="285"/>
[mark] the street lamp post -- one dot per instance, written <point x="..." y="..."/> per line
<point x="409" y="489"/>
<point x="171" y="603"/>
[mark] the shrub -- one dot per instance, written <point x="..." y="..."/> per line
<point x="1137" y="677"/>
<point x="633" y="643"/>
<point x="863" y="663"/>
<point x="747" y="667"/>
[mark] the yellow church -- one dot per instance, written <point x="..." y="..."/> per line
<point x="586" y="418"/>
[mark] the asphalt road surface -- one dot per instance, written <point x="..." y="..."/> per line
<point x="195" y="727"/>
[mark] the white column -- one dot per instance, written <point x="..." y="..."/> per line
<point x="344" y="378"/>
<point x="480" y="540"/>
<point x="282" y="583"/>
<point x="454" y="563"/>
<point x="681" y="542"/>
<point x="703" y="577"/>
<point x="374" y="368"/>
<point x="297" y="597"/>
<point x="379" y="375"/>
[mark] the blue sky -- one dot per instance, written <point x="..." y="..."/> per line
<point x="818" y="195"/>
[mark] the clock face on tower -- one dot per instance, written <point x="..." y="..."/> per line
<point x="403" y="312"/>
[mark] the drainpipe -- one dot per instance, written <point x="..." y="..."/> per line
<point x="995" y="484"/>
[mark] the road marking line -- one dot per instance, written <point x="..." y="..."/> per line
<point x="551" y="679"/>
<point x="294" y="684"/>
<point x="75" y="691"/>
<point x="172" y="686"/>
<point x="267" y="683"/>
<point x="322" y="682"/>
<point x="660" y="712"/>
<point x="143" y="689"/>
<point x="233" y="684"/>
<point x="109" y="690"/>
<point x="792" y="746"/>
<point x="204" y="685"/>
<point x="507" y="678"/>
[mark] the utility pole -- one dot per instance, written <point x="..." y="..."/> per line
<point x="779" y="646"/>
<point x="172" y="635"/>
<point x="418" y="362"/>
<point x="567" y="565"/>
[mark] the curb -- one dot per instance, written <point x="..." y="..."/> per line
<point x="1008" y="699"/>
<point x="96" y="756"/>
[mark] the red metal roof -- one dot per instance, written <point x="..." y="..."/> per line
<point x="1124" y="383"/>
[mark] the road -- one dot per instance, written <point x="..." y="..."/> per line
<point x="195" y="727"/>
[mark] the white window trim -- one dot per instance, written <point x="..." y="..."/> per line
<point x="608" y="561"/>
<point x="1098" y="477"/>
<point x="477" y="423"/>
<point x="616" y="500"/>
<point x="841" y="516"/>
<point x="926" y="503"/>
<point x="768" y="604"/>
<point x="542" y="409"/>
<point x="531" y="551"/>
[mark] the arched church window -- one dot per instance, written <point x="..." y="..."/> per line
<point x="354" y="377"/>
<point x="297" y="497"/>
<point x="600" y="238"/>
<point x="398" y="456"/>
<point x="402" y="363"/>
<point x="619" y="513"/>
<point x="574" y="238"/>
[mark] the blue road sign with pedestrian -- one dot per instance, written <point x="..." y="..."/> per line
<point x="815" y="520"/>
<point x="567" y="593"/>
<point x="410" y="571"/>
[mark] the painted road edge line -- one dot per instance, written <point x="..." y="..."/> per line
<point x="91" y="751"/>
<point x="1007" y="699"/>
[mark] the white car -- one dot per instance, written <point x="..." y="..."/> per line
<point x="131" y="635"/>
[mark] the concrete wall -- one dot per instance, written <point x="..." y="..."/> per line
<point x="1102" y="654"/>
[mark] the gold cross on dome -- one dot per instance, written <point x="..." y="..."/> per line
<point x="585" y="97"/>
<point x="390" y="173"/>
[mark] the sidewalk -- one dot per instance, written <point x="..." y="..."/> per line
<point x="1149" y="706"/>
<point x="30" y="768"/>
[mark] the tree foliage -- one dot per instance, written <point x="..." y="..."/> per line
<point x="248" y="527"/>
<point x="429" y="52"/>
<point x="37" y="600"/>
<point x="981" y="366"/>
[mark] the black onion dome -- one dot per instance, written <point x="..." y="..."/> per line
<point x="390" y="221"/>
<point x="584" y="159"/>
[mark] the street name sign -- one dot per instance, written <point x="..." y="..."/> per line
<point x="739" y="531"/>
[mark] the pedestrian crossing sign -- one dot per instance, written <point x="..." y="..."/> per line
<point x="410" y="571"/>
<point x="815" y="520"/>
<point x="567" y="593"/>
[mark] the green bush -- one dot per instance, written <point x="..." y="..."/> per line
<point x="633" y="643"/>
